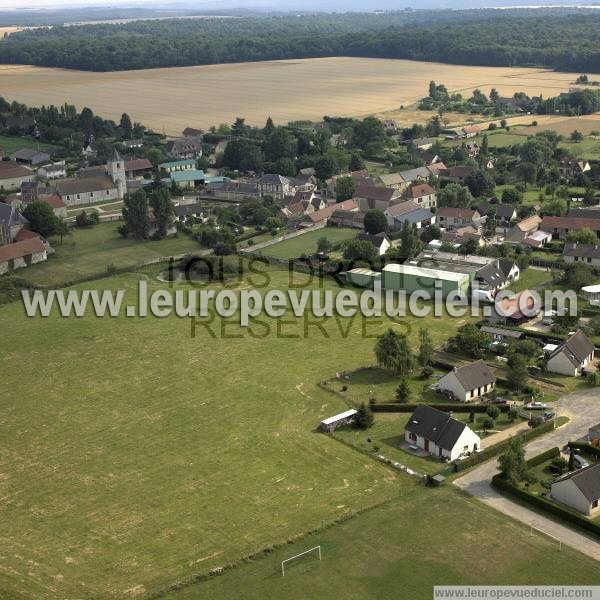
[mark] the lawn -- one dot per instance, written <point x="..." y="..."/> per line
<point x="531" y="278"/>
<point x="307" y="242"/>
<point x="10" y="144"/>
<point x="588" y="148"/>
<point x="424" y="538"/>
<point x="89" y="252"/>
<point x="135" y="455"/>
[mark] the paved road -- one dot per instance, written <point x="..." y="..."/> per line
<point x="583" y="408"/>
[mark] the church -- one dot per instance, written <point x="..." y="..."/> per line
<point x="95" y="184"/>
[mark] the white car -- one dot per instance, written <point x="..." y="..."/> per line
<point x="535" y="406"/>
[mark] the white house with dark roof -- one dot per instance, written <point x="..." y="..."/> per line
<point x="439" y="434"/>
<point x="469" y="382"/>
<point x="585" y="253"/>
<point x="579" y="490"/>
<point x="380" y="241"/>
<point x="572" y="356"/>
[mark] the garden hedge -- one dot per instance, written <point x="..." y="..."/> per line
<point x="587" y="448"/>
<point x="546" y="505"/>
<point x="499" y="447"/>
<point x="396" y="407"/>
<point x="544" y="456"/>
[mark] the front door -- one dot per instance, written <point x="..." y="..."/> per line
<point x="427" y="445"/>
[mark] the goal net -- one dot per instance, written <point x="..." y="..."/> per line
<point x="316" y="550"/>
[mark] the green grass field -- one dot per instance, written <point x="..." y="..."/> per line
<point x="424" y="538"/>
<point x="136" y="455"/>
<point x="10" y="144"/>
<point x="88" y="252"/>
<point x="307" y="242"/>
<point x="588" y="148"/>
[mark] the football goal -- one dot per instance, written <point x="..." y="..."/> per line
<point x="315" y="550"/>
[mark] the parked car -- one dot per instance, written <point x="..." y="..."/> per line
<point x="580" y="462"/>
<point x="535" y="406"/>
<point x="534" y="370"/>
<point x="498" y="400"/>
<point x="548" y="416"/>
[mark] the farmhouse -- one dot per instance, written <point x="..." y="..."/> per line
<point x="524" y="229"/>
<point x="468" y="382"/>
<point x="327" y="213"/>
<point x="572" y="167"/>
<point x="371" y="196"/>
<point x="187" y="147"/>
<point x="561" y="226"/>
<point x="451" y="217"/>
<point x="137" y="168"/>
<point x="423" y="194"/>
<point x="30" y="156"/>
<point x="456" y="174"/>
<point x="275" y="185"/>
<point x="571" y="357"/>
<point x="408" y="211"/>
<point x="21" y="254"/>
<point x="413" y="175"/>
<point x="187" y="212"/>
<point x="393" y="180"/>
<point x="439" y="434"/>
<point x="53" y="171"/>
<point x="585" y="253"/>
<point x="579" y="490"/>
<point x="58" y="206"/>
<point x="328" y="425"/>
<point x="12" y="175"/>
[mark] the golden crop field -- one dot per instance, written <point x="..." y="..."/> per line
<point x="8" y="30"/>
<point x="171" y="99"/>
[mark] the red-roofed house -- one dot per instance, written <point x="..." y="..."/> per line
<point x="12" y="175"/>
<point x="451" y="217"/>
<point x="561" y="226"/>
<point x="21" y="254"/>
<point x="456" y="174"/>
<point x="325" y="213"/>
<point x="423" y="194"/>
<point x="57" y="204"/>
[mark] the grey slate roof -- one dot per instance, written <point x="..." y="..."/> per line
<point x="376" y="239"/>
<point x="436" y="426"/>
<point x="492" y="275"/>
<point x="582" y="250"/>
<point x="84" y="185"/>
<point x="414" y="174"/>
<point x="577" y="348"/>
<point x="474" y="375"/>
<point x="587" y="480"/>
<point x="10" y="216"/>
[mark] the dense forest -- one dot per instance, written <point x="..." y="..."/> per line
<point x="563" y="40"/>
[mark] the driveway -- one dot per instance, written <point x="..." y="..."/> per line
<point x="583" y="408"/>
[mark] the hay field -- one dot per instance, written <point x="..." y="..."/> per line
<point x="171" y="99"/>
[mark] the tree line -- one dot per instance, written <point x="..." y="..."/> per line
<point x="563" y="40"/>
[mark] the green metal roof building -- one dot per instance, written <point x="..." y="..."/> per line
<point x="411" y="278"/>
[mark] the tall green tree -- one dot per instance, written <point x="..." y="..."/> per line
<point x="41" y="218"/>
<point x="393" y="352"/>
<point x="136" y="215"/>
<point x="375" y="221"/>
<point x="425" y="347"/>
<point x="162" y="209"/>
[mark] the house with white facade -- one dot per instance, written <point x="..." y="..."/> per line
<point x="439" y="434"/>
<point x="469" y="382"/>
<point x="579" y="490"/>
<point x="572" y="356"/>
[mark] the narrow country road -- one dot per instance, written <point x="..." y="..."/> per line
<point x="583" y="410"/>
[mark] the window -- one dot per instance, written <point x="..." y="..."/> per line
<point x="595" y="504"/>
<point x="413" y="437"/>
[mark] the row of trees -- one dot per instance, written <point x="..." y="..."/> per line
<point x="551" y="39"/>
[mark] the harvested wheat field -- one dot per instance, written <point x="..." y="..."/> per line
<point x="8" y="30"/>
<point x="171" y="99"/>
